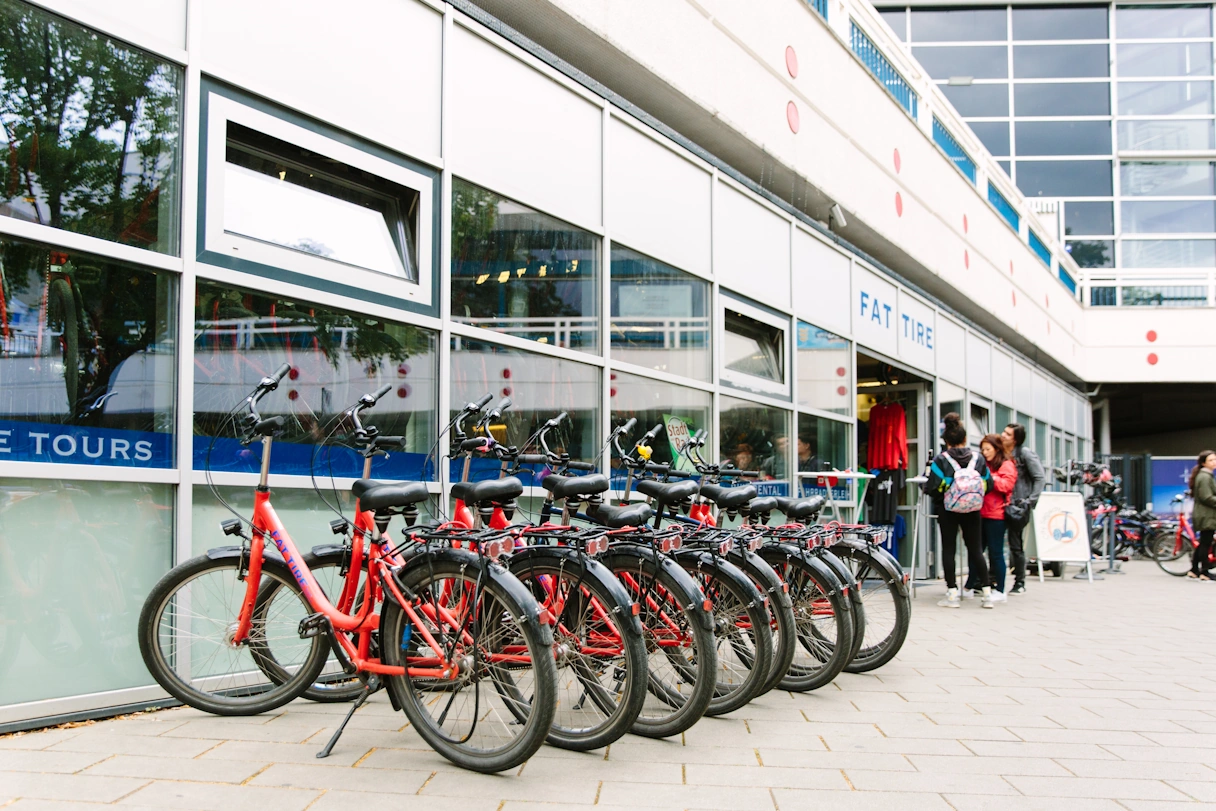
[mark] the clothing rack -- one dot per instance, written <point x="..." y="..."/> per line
<point x="846" y="475"/>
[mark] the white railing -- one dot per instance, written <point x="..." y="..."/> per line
<point x="1164" y="287"/>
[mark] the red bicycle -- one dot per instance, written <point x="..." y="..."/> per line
<point x="459" y="642"/>
<point x="1173" y="549"/>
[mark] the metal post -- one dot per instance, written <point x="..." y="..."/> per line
<point x="1110" y="540"/>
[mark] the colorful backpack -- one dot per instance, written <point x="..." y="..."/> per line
<point x="966" y="492"/>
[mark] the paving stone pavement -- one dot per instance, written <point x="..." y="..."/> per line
<point x="1086" y="698"/>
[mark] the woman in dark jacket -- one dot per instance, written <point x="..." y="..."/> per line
<point x="941" y="475"/>
<point x="1203" y="517"/>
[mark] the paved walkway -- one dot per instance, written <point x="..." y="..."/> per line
<point x="1078" y="697"/>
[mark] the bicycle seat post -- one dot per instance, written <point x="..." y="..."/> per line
<point x="264" y="480"/>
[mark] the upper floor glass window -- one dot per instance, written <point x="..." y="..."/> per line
<point x="1070" y="99"/>
<point x="1060" y="61"/>
<point x="1181" y="179"/>
<point x="660" y="316"/>
<point x="1163" y="22"/>
<point x="1169" y="59"/>
<point x="958" y="25"/>
<point x="976" y="61"/>
<point x="1064" y="178"/>
<point x="335" y="356"/>
<point x="1165" y="98"/>
<point x="1062" y="137"/>
<point x="754" y="348"/>
<point x="93" y="131"/>
<point x="521" y="272"/>
<point x="1163" y="134"/>
<point x="681" y="411"/>
<point x="1089" y="218"/>
<point x="87" y="359"/>
<point x="1060" y="22"/>
<point x="980" y="100"/>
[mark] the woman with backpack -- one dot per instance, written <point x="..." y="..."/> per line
<point x="1203" y="515"/>
<point x="958" y="480"/>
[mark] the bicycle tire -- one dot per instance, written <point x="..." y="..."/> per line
<point x="781" y="612"/>
<point x="604" y="613"/>
<point x="232" y="688"/>
<point x="883" y="595"/>
<point x="678" y="693"/>
<point x="520" y="709"/>
<point x="743" y="637"/>
<point x="844" y="573"/>
<point x="1171" y="553"/>
<point x="823" y="649"/>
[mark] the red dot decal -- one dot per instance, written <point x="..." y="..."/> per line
<point x="1014" y="293"/>
<point x="899" y="205"/>
<point x="897" y="161"/>
<point x="612" y="392"/>
<point x="1048" y="327"/>
<point x="965" y="224"/>
<point x="506" y="391"/>
<point x="842" y="391"/>
<point x="294" y="374"/>
<point x="506" y="374"/>
<point x="1047" y="300"/>
<point x="966" y="259"/>
<point x="1152" y="358"/>
<point x="841" y="371"/>
<point x="1152" y="335"/>
<point x="293" y="395"/>
<point x="791" y="61"/>
<point x="1010" y="267"/>
<point x="403" y="392"/>
<point x="403" y="370"/>
<point x="791" y="116"/>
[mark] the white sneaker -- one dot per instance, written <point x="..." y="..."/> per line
<point x="986" y="598"/>
<point x="968" y="594"/>
<point x="950" y="600"/>
<point x="999" y="597"/>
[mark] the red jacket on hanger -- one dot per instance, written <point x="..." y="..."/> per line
<point x="888" y="438"/>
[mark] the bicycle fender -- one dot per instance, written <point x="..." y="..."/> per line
<point x="225" y="552"/>
<point x="721" y="567"/>
<point x="324" y="549"/>
<point x="843" y="573"/>
<point x="761" y="573"/>
<point x="593" y="569"/>
<point x="880" y="559"/>
<point x="676" y="572"/>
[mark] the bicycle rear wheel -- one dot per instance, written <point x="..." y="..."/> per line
<point x="780" y="609"/>
<point x="888" y="611"/>
<point x="681" y="659"/>
<point x="185" y="631"/>
<point x="497" y="709"/>
<point x="601" y="660"/>
<point x="1172" y="551"/>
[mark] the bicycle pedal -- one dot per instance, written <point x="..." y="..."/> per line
<point x="314" y="625"/>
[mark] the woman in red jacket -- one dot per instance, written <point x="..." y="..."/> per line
<point x="1004" y="476"/>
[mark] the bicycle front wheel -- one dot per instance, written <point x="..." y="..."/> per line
<point x="1172" y="551"/>
<point x="888" y="610"/>
<point x="495" y="711"/>
<point x="186" y="629"/>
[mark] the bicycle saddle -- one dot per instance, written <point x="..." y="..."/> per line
<point x="668" y="492"/>
<point x="497" y="490"/>
<point x="797" y="508"/>
<point x="378" y="496"/>
<point x="635" y="515"/>
<point x="728" y="498"/>
<point x="565" y="486"/>
<point x="764" y="504"/>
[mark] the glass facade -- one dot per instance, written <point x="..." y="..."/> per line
<point x="681" y="411"/>
<point x="1090" y="88"/>
<point x="660" y="316"/>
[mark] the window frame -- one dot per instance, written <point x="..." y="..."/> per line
<point x="741" y="381"/>
<point x="233" y="250"/>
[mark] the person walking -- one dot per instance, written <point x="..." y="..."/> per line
<point x="1004" y="477"/>
<point x="1203" y="516"/>
<point x="957" y="480"/>
<point x="1026" y="492"/>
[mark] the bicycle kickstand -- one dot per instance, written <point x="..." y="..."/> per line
<point x="373" y="684"/>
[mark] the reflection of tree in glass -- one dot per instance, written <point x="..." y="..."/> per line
<point x="91" y="127"/>
<point x="312" y="246"/>
<point x="1089" y="253"/>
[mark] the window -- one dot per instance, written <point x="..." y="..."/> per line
<point x="1160" y="59"/>
<point x="1166" y="134"/>
<point x="314" y="209"/>
<point x="1162" y="22"/>
<point x="1165" y="98"/>
<point x="976" y="61"/>
<point x="979" y="100"/>
<point x="961" y="160"/>
<point x="79" y="556"/>
<point x="1172" y="217"/>
<point x="1062" y="137"/>
<point x="1064" y="178"/>
<point x="1182" y="295"/>
<point x="1190" y="179"/>
<point x="540" y="386"/>
<point x="824" y="364"/>
<point x="993" y="134"/>
<point x="977" y="423"/>
<point x="1060" y="61"/>
<point x="87" y="360"/>
<point x="521" y="272"/>
<point x="821" y="444"/>
<point x="660" y="316"/>
<point x="1002" y="206"/>
<point x="95" y="150"/>
<point x="680" y="410"/>
<point x="1061" y="99"/>
<point x="962" y="25"/>
<point x="284" y="195"/>
<point x="1169" y="253"/>
<point x="1040" y="249"/>
<point x="1059" y="23"/>
<point x="898" y="20"/>
<point x="757" y="437"/>
<point x="1092" y="253"/>
<point x="1089" y="218"/>
<point x="753" y="349"/>
<point x="1002" y="416"/>
<point x="336" y="357"/>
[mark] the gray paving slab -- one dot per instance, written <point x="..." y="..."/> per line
<point x="1040" y="704"/>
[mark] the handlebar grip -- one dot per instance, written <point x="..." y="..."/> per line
<point x="652" y="433"/>
<point x="629" y="426"/>
<point x="388" y="441"/>
<point x="733" y="472"/>
<point x="560" y="418"/>
<point x="474" y="444"/>
<point x="657" y="467"/>
<point x="581" y="466"/>
<point x="484" y="401"/>
<point x="281" y="373"/>
<point x="532" y="459"/>
<point x="270" y="426"/>
<point x="503" y="404"/>
<point x="380" y="392"/>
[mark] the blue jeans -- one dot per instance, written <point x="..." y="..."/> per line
<point x="994" y="543"/>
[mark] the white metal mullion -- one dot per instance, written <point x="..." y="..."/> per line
<point x="717" y="322"/>
<point x="97" y="473"/>
<point x="1116" y="182"/>
<point x="605" y="291"/>
<point x="444" y="270"/>
<point x="522" y="344"/>
<point x="82" y="243"/>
